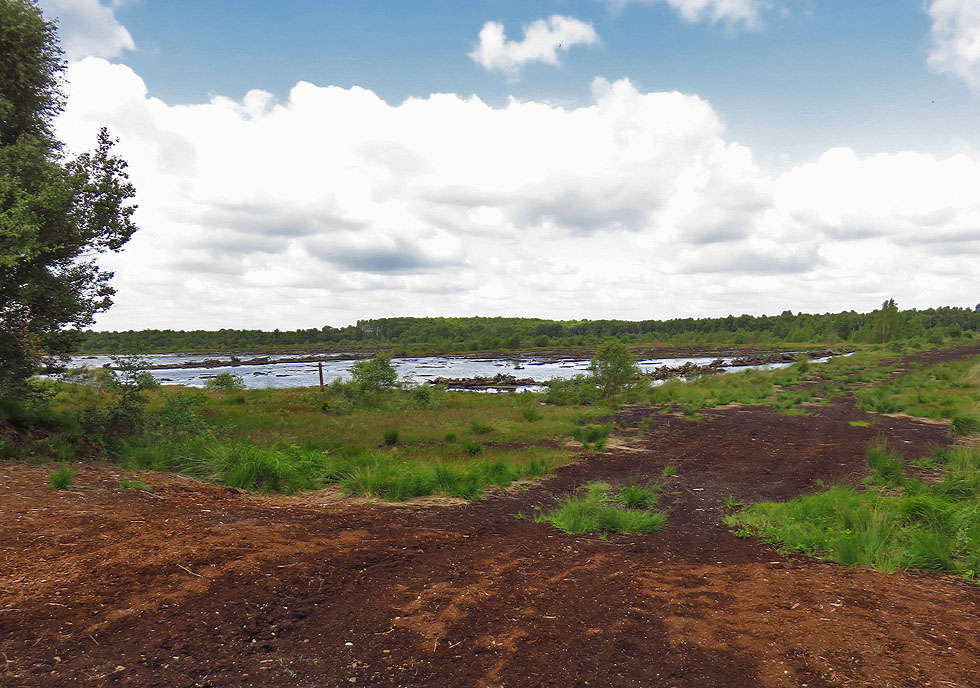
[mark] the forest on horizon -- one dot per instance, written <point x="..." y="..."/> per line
<point x="438" y="334"/>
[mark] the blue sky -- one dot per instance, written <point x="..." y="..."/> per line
<point x="812" y="154"/>
<point x="814" y="75"/>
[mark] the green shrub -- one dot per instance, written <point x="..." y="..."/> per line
<point x="473" y="448"/>
<point x="613" y="366"/>
<point x="574" y="391"/>
<point x="225" y="382"/>
<point x="62" y="477"/>
<point x="391" y="437"/>
<point x="374" y="374"/>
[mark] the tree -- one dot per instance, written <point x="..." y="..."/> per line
<point x="886" y="322"/>
<point x="374" y="374"/>
<point x="56" y="214"/>
<point x="613" y="366"/>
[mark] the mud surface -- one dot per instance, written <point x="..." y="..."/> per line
<point x="190" y="584"/>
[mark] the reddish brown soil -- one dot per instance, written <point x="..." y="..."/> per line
<point x="196" y="585"/>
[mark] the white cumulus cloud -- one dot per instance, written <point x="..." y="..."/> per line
<point x="334" y="205"/>
<point x="956" y="39"/>
<point x="88" y="28"/>
<point x="747" y="13"/>
<point x="543" y="40"/>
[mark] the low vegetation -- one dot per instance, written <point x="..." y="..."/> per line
<point x="894" y="522"/>
<point x="600" y="508"/>
<point x="371" y="436"/>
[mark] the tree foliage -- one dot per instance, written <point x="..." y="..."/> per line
<point x="486" y="334"/>
<point x="56" y="214"/>
<point x="374" y="374"/>
<point x="613" y="366"/>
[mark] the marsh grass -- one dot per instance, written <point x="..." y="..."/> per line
<point x="941" y="391"/>
<point x="886" y="465"/>
<point x="964" y="424"/>
<point x="594" y="438"/>
<point x="284" y="441"/>
<point x="910" y="524"/>
<point x="597" y="511"/>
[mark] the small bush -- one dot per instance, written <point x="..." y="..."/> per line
<point x="669" y="470"/>
<point x="574" y="391"/>
<point x="391" y="437"/>
<point x="451" y="437"/>
<point x="613" y="366"/>
<point x="473" y="448"/>
<point x="225" y="382"/>
<point x="375" y="374"/>
<point x="62" y="477"/>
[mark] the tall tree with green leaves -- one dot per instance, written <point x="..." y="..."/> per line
<point x="56" y="214"/>
<point x="887" y="321"/>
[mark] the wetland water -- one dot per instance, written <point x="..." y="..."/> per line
<point x="286" y="373"/>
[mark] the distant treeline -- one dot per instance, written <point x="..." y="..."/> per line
<point x="480" y="334"/>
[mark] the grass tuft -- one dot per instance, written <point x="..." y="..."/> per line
<point x="62" y="477"/>
<point x="595" y="512"/>
<point x="963" y="424"/>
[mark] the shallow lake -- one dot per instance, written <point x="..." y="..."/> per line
<point x="286" y="373"/>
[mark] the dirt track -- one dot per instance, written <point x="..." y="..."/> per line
<point x="196" y="585"/>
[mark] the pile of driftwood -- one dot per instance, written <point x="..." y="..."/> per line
<point x="502" y="380"/>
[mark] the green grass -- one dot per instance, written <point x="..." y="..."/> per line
<point x="134" y="485"/>
<point x="287" y="440"/>
<point x="885" y="464"/>
<point x="596" y="511"/>
<point x="963" y="424"/>
<point x="62" y="477"/>
<point x="910" y="524"/>
<point x="941" y="391"/>
<point x="669" y="470"/>
<point x="636" y="497"/>
<point x="593" y="438"/>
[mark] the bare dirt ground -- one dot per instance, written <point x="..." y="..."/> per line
<point x="190" y="584"/>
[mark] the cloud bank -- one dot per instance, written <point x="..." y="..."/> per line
<point x="335" y="205"/>
<point x="543" y="40"/>
<point x="87" y="28"/>
<point x="956" y="39"/>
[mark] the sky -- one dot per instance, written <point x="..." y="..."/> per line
<point x="317" y="162"/>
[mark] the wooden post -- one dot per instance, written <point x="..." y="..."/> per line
<point x="319" y="365"/>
